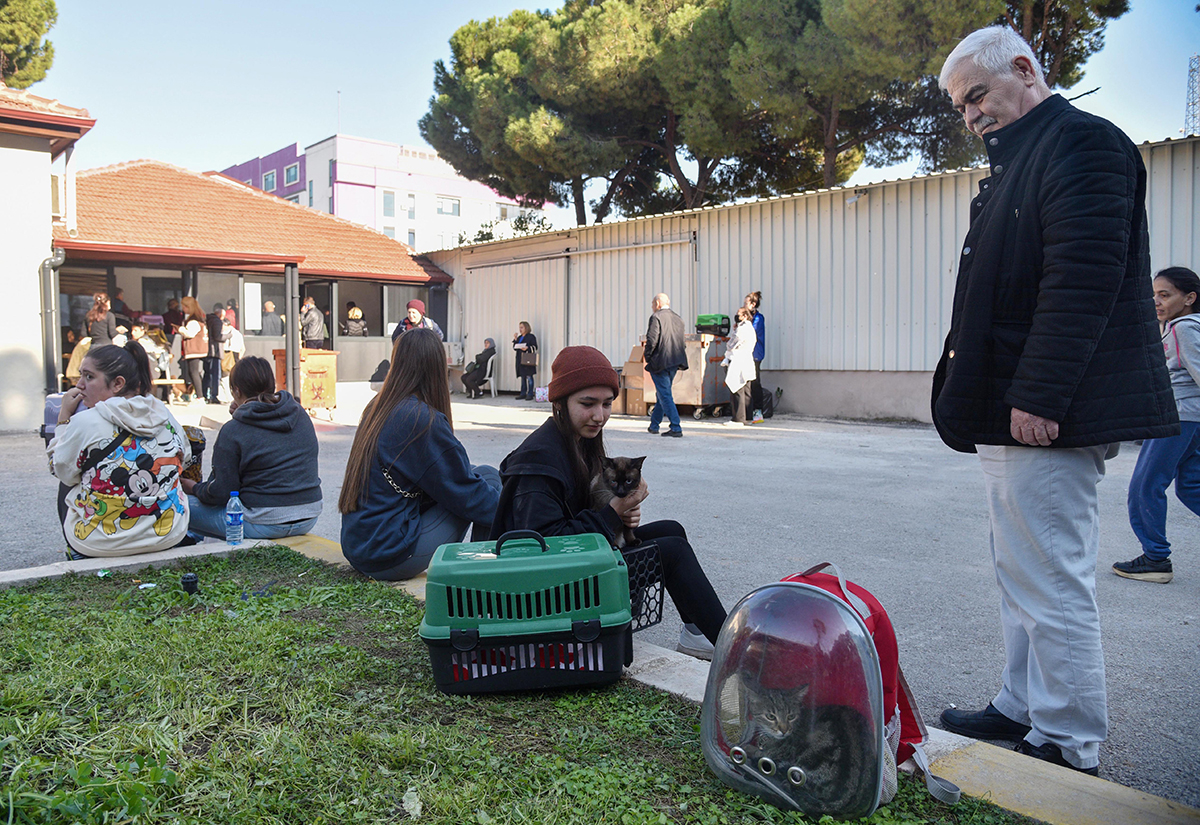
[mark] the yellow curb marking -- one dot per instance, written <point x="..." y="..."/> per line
<point x="1054" y="794"/>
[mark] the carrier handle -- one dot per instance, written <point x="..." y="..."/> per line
<point x="858" y="604"/>
<point x="513" y="535"/>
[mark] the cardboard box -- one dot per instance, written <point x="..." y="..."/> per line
<point x="618" y="404"/>
<point x="632" y="376"/>
<point x="634" y="405"/>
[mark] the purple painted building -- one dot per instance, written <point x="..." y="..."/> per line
<point x="279" y="173"/>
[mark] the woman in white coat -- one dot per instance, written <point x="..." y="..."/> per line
<point x="739" y="364"/>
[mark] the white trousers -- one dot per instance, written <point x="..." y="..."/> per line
<point x="1045" y="536"/>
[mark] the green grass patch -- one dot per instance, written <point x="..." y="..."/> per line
<point x="287" y="691"/>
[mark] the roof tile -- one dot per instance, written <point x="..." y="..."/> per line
<point x="154" y="204"/>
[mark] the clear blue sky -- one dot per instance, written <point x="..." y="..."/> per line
<point x="210" y="83"/>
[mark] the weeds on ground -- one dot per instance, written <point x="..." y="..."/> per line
<point x="290" y="692"/>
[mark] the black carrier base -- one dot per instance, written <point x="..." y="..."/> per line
<point x="584" y="656"/>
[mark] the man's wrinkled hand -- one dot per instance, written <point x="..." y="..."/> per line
<point x="1032" y="430"/>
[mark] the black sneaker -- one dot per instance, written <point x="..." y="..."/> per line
<point x="988" y="723"/>
<point x="1052" y="753"/>
<point x="673" y="434"/>
<point x="1145" y="569"/>
<point x="74" y="555"/>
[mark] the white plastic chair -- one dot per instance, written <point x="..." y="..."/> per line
<point x="487" y="376"/>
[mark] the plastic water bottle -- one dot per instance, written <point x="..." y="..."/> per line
<point x="233" y="519"/>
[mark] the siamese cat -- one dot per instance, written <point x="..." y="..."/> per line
<point x="618" y="477"/>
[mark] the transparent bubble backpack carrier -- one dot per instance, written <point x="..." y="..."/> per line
<point x="794" y="708"/>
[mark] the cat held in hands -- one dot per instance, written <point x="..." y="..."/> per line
<point x="618" y="477"/>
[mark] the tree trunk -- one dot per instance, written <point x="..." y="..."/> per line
<point x="829" y="164"/>
<point x="580" y="203"/>
<point x="605" y="204"/>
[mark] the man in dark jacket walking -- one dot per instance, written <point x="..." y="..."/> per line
<point x="1052" y="359"/>
<point x="665" y="355"/>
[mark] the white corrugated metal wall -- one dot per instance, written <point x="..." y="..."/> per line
<point x="615" y="274"/>
<point x="497" y="298"/>
<point x="852" y="279"/>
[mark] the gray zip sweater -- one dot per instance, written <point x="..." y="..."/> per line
<point x="1181" y="344"/>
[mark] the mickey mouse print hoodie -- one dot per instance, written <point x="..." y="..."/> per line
<point x="131" y="501"/>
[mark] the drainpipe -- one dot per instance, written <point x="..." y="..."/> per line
<point x="51" y="333"/>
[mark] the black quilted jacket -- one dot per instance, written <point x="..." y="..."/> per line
<point x="1053" y="309"/>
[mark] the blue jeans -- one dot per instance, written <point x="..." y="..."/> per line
<point x="209" y="520"/>
<point x="1161" y="461"/>
<point x="439" y="526"/>
<point x="526" y="386"/>
<point x="666" y="402"/>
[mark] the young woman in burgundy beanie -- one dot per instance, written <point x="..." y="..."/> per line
<point x="546" y="483"/>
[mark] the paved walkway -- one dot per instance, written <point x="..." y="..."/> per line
<point x="899" y="512"/>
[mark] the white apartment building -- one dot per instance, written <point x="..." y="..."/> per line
<point x="406" y="193"/>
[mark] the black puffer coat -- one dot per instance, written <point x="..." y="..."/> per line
<point x="1053" y="308"/>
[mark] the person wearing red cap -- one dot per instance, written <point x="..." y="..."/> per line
<point x="416" y="319"/>
<point x="546" y="482"/>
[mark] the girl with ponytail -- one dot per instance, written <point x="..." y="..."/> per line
<point x="118" y="453"/>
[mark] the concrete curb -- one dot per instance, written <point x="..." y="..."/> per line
<point x="1003" y="777"/>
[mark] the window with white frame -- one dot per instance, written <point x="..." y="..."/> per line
<point x="291" y="175"/>
<point x="503" y="207"/>
<point x="412" y="207"/>
<point x="269" y="181"/>
<point x="390" y="231"/>
<point x="331" y="171"/>
<point x="447" y="206"/>
<point x="310" y="193"/>
<point x="389" y="204"/>
<point x="412" y="239"/>
<point x="294" y="199"/>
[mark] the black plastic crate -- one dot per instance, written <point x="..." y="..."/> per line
<point x="585" y="656"/>
<point x="645" y="584"/>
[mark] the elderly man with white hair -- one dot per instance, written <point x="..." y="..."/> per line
<point x="1052" y="359"/>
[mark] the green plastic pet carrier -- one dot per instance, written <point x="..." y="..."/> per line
<point x="527" y="613"/>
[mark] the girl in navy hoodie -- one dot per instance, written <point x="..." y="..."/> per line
<point x="409" y="486"/>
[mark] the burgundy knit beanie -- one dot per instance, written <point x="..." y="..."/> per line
<point x="577" y="368"/>
<point x="417" y="304"/>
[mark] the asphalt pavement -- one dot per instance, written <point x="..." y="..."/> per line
<point x="899" y="512"/>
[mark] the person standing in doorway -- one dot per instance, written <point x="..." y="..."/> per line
<point x="753" y="302"/>
<point x="525" y="344"/>
<point x="172" y="320"/>
<point x="416" y="319"/>
<point x="215" y="323"/>
<point x="272" y="324"/>
<point x="312" y="324"/>
<point x="194" y="332"/>
<point x="1052" y="359"/>
<point x="101" y="324"/>
<point x="666" y="354"/>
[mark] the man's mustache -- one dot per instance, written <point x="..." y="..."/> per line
<point x="982" y="122"/>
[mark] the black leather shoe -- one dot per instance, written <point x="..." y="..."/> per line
<point x="1052" y="753"/>
<point x="673" y="434"/>
<point x="988" y="723"/>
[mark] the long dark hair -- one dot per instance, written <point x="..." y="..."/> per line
<point x="254" y="380"/>
<point x="418" y="370"/>
<point x="1184" y="280"/>
<point x="100" y="306"/>
<point x="585" y="453"/>
<point x="129" y="362"/>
